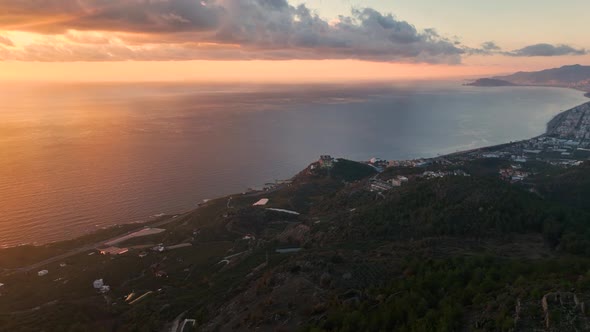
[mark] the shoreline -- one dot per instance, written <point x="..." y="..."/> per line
<point x="169" y="218"/>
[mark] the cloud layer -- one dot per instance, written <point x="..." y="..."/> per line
<point x="547" y="50"/>
<point x="536" y="50"/>
<point x="115" y="30"/>
<point x="143" y="16"/>
<point x="214" y="29"/>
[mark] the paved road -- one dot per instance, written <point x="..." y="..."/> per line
<point x="92" y="246"/>
<point x="96" y="245"/>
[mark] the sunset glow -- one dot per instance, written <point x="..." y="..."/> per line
<point x="219" y="40"/>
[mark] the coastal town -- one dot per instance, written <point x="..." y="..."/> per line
<point x="565" y="144"/>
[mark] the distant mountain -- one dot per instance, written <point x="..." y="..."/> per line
<point x="489" y="82"/>
<point x="575" y="77"/>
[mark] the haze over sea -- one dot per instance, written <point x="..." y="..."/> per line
<point x="75" y="158"/>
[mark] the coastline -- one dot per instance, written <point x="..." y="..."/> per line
<point x="110" y="231"/>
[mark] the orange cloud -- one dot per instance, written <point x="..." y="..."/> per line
<point x="6" y="41"/>
<point x="264" y="29"/>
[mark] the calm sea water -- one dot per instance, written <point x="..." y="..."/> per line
<point x="74" y="158"/>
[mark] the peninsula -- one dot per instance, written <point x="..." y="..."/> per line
<point x="490" y="82"/>
<point x="574" y="76"/>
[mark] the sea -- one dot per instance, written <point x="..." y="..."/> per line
<point x="75" y="158"/>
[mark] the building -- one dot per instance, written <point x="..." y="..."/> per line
<point x="98" y="283"/>
<point x="261" y="202"/>
<point x="378" y="185"/>
<point x="395" y="182"/>
<point x="159" y="248"/>
<point x="42" y="273"/>
<point x="326" y="161"/>
<point x="531" y="151"/>
<point x="113" y="251"/>
<point x="519" y="159"/>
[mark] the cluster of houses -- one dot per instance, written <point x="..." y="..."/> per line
<point x="513" y="174"/>
<point x="565" y="163"/>
<point x="566" y="147"/>
<point x="563" y="152"/>
<point x="378" y="164"/>
<point x="519" y="158"/>
<point x="380" y="185"/>
<point x="574" y="124"/>
<point x="408" y="163"/>
<point x="326" y="162"/>
<point x="442" y="174"/>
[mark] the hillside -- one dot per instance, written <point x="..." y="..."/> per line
<point x="464" y="251"/>
<point x="574" y="76"/>
<point x="490" y="82"/>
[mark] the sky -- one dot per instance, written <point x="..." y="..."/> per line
<point x="286" y="40"/>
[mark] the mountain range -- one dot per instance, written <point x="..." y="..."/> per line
<point x="574" y="76"/>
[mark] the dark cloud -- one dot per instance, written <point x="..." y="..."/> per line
<point x="490" y="46"/>
<point x="546" y="50"/>
<point x="365" y="34"/>
<point x="260" y="29"/>
<point x="101" y="30"/>
<point x="144" y="16"/>
<point x="487" y="48"/>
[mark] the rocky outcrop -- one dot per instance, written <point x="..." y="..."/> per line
<point x="490" y="82"/>
<point x="563" y="311"/>
<point x="294" y="234"/>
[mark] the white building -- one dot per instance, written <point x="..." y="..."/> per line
<point x="42" y="273"/>
<point x="98" y="283"/>
<point x="113" y="251"/>
<point x="395" y="182"/>
<point x="261" y="202"/>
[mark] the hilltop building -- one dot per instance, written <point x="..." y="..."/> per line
<point x="113" y="251"/>
<point x="326" y="161"/>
